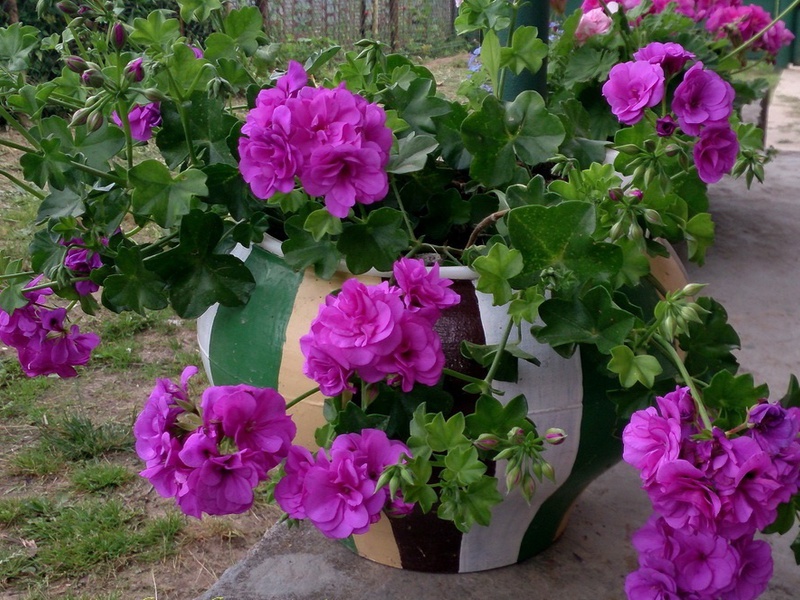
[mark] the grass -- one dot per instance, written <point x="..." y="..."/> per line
<point x="100" y="477"/>
<point x="75" y="537"/>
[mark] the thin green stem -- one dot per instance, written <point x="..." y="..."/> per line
<point x="500" y="349"/>
<point x="501" y="76"/>
<point x="13" y="275"/>
<point x="122" y="111"/>
<point x="463" y="377"/>
<point x="302" y="397"/>
<point x="672" y="354"/>
<point x="98" y="173"/>
<point x="760" y="34"/>
<point x="21" y="184"/>
<point x="403" y="210"/>
<point x="16" y="146"/>
<point x="17" y="126"/>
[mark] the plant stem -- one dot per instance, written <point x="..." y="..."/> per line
<point x="16" y="146"/>
<point x="17" y="126"/>
<point x="500" y="349"/>
<point x="98" y="173"/>
<point x="759" y="35"/>
<point x="688" y="380"/>
<point x="21" y="184"/>
<point x="402" y="209"/>
<point x="301" y="397"/>
<point x="122" y="110"/>
<point x="13" y="275"/>
<point x="462" y="376"/>
<point x="492" y="218"/>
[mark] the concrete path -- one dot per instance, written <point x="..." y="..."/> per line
<point x="753" y="270"/>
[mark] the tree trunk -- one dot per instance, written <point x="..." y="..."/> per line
<point x="10" y="8"/>
<point x="263" y="6"/>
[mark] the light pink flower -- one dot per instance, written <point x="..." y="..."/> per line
<point x="592" y="23"/>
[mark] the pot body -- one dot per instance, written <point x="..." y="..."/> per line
<point x="258" y="344"/>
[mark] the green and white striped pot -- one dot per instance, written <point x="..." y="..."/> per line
<point x="259" y="344"/>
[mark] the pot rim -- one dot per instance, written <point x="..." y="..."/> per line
<point x="273" y="246"/>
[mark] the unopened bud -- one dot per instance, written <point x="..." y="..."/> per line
<point x="513" y="477"/>
<point x="617" y="230"/>
<point x="155" y="95"/>
<point x="94" y="121"/>
<point x="615" y="194"/>
<point x="629" y="149"/>
<point x="548" y="471"/>
<point x="487" y="441"/>
<point x="672" y="150"/>
<point x="636" y="193"/>
<point x="634" y="231"/>
<point x="555" y="436"/>
<point x="118" y="36"/>
<point x="653" y="216"/>
<point x="691" y="289"/>
<point x="80" y="117"/>
<point x="516" y="435"/>
<point x="67" y="7"/>
<point x="93" y="78"/>
<point x="134" y="71"/>
<point x="528" y="488"/>
<point x="76" y="64"/>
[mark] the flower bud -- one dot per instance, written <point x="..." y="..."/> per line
<point x="94" y="121"/>
<point x="617" y="230"/>
<point x="76" y="64"/>
<point x="555" y="436"/>
<point x="666" y="126"/>
<point x="691" y="289"/>
<point x="516" y="435"/>
<point x="487" y="441"/>
<point x="67" y="7"/>
<point x="615" y="194"/>
<point x="528" y="488"/>
<point x="629" y="149"/>
<point x="155" y="95"/>
<point x="134" y="72"/>
<point x="548" y="471"/>
<point x="637" y="193"/>
<point x="513" y="477"/>
<point x="118" y="36"/>
<point x="80" y="117"/>
<point x="93" y="78"/>
<point x="653" y="216"/>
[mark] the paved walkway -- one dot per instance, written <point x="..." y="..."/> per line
<point x="752" y="270"/>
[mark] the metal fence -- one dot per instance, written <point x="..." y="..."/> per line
<point x="399" y="23"/>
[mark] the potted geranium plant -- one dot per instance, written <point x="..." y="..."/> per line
<point x="427" y="414"/>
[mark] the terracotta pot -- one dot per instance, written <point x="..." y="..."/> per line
<point x="258" y="344"/>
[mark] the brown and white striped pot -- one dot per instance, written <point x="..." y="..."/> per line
<point x="258" y="344"/>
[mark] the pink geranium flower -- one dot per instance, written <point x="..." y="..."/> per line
<point x="142" y="119"/>
<point x="632" y="87"/>
<point x="715" y="152"/>
<point x="702" y="99"/>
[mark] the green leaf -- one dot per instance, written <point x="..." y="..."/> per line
<point x="134" y="287"/>
<point x="463" y="466"/>
<point x="591" y="319"/>
<point x="500" y="133"/>
<point x="198" y="10"/>
<point x="491" y="416"/>
<point x="197" y="276"/>
<point x="245" y="26"/>
<point x="418" y="105"/>
<point x="412" y="154"/>
<point x="699" y="236"/>
<point x="219" y="46"/>
<point x="709" y="344"/>
<point x="209" y="131"/>
<point x="495" y="269"/>
<point x="484" y="355"/>
<point x="51" y="166"/>
<point x="375" y="243"/>
<point x="319" y="59"/>
<point x="301" y="250"/>
<point x="443" y="436"/>
<point x="527" y="51"/>
<point x="490" y="57"/>
<point x="162" y="198"/>
<point x="321" y="223"/>
<point x="560" y="237"/>
<point x="733" y="394"/>
<point x="633" y="367"/>
<point x="17" y="41"/>
<point x="792" y="396"/>
<point x="473" y="505"/>
<point x="157" y="31"/>
<point x="61" y="203"/>
<point x="525" y="307"/>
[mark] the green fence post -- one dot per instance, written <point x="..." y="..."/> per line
<point x="536" y="13"/>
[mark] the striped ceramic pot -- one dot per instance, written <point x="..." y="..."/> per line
<point x="258" y="344"/>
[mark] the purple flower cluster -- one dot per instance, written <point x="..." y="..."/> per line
<point x="710" y="495"/>
<point x="702" y="103"/>
<point x="45" y="344"/>
<point x="142" y="119"/>
<point x="214" y="467"/>
<point x="82" y="261"/>
<point x="722" y="18"/>
<point x="334" y="141"/>
<point x="380" y="332"/>
<point x="336" y="490"/>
